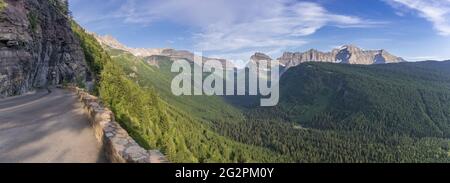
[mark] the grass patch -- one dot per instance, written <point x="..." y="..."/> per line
<point x="3" y="5"/>
<point x="63" y="7"/>
<point x="34" y="21"/>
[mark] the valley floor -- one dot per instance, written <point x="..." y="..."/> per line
<point x="46" y="128"/>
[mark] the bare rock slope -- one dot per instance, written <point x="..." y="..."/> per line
<point x="347" y="54"/>
<point x="37" y="46"/>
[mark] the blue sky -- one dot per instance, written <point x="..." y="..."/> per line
<point x="235" y="29"/>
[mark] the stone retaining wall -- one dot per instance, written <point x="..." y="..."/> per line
<point x="119" y="147"/>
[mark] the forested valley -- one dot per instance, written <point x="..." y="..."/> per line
<point x="327" y="112"/>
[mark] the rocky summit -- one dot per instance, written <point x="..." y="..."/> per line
<point x="347" y="54"/>
<point x="37" y="46"/>
<point x="258" y="56"/>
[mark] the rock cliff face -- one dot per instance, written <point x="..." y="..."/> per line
<point x="347" y="54"/>
<point x="37" y="46"/>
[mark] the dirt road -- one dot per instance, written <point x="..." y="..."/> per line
<point x="44" y="127"/>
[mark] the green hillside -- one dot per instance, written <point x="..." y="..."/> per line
<point x="141" y="105"/>
<point x="353" y="113"/>
<point x="411" y="99"/>
<point x="209" y="108"/>
<point x="2" y="5"/>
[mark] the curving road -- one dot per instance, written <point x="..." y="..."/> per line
<point x="46" y="128"/>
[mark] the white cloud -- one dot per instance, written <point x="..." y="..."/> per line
<point x="279" y="24"/>
<point x="422" y="58"/>
<point x="435" y="11"/>
<point x="227" y="26"/>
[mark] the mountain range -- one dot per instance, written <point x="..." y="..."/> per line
<point x="347" y="54"/>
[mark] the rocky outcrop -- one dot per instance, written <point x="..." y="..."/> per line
<point x="119" y="147"/>
<point x="37" y="46"/>
<point x="260" y="57"/>
<point x="347" y="54"/>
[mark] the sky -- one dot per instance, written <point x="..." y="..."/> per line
<point x="236" y="29"/>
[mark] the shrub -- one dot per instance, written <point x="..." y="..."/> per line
<point x="3" y="5"/>
<point x="34" y="20"/>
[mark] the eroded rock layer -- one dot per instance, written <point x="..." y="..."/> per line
<point x="37" y="46"/>
<point x="347" y="54"/>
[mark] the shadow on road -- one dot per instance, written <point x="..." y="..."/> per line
<point x="47" y="128"/>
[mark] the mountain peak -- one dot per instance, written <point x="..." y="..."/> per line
<point x="110" y="41"/>
<point x="258" y="56"/>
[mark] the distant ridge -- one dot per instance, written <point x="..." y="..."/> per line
<point x="347" y="54"/>
<point x="149" y="53"/>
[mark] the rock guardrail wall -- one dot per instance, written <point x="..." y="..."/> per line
<point x="119" y="147"/>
